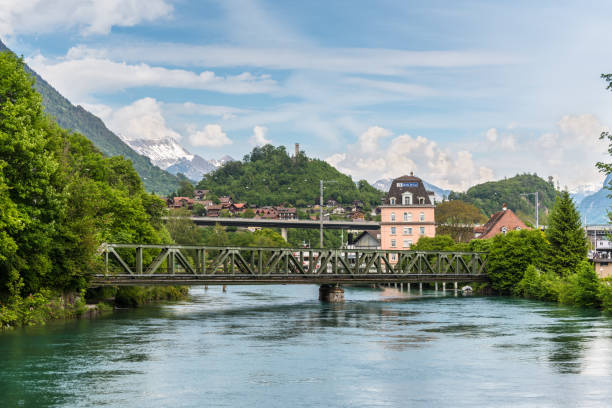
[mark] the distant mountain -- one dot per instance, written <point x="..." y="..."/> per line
<point x="174" y="158"/>
<point x="491" y="196"/>
<point x="594" y="207"/>
<point x="220" y="162"/>
<point x="385" y="184"/>
<point x="193" y="169"/>
<point x="583" y="191"/>
<point x="80" y="120"/>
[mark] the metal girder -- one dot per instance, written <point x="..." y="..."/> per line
<point x="248" y="265"/>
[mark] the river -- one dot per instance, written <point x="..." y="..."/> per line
<point x="277" y="346"/>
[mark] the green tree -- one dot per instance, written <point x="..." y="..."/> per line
<point x="511" y="254"/>
<point x="437" y="243"/>
<point x="186" y="189"/>
<point x="568" y="243"/>
<point x="582" y="288"/>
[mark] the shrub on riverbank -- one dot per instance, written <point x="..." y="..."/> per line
<point x="135" y="296"/>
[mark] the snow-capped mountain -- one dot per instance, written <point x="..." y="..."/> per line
<point x="220" y="162"/>
<point x="167" y="154"/>
<point x="385" y="185"/>
<point x="193" y="169"/>
<point x="162" y="152"/>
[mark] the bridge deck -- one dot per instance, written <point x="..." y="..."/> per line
<point x="197" y="265"/>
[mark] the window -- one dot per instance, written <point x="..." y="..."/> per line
<point x="422" y="230"/>
<point x="409" y="243"/>
<point x="392" y="216"/>
<point x="407" y="198"/>
<point x="421" y="200"/>
<point x="393" y="243"/>
<point x="409" y="217"/>
<point x="405" y="216"/>
<point x="392" y="230"/>
<point x="392" y="200"/>
<point x="405" y="230"/>
<point x="518" y="228"/>
<point x="393" y="257"/>
<point x="409" y="230"/>
<point x="422" y="216"/>
<point x="504" y="230"/>
<point x="406" y="243"/>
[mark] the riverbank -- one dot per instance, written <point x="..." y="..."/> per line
<point x="37" y="309"/>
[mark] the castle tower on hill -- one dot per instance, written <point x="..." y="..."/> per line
<point x="407" y="214"/>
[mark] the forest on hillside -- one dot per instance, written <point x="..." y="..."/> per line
<point x="491" y="196"/>
<point x="269" y="176"/>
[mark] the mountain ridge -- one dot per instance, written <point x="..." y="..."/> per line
<point x="78" y="119"/>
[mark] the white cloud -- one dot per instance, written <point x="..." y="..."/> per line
<point x="491" y="135"/>
<point x="88" y="16"/>
<point x="210" y="136"/>
<point x="79" y="78"/>
<point x="368" y="140"/>
<point x="190" y="108"/>
<point x="376" y="61"/>
<point x="142" y="119"/>
<point x="259" y="136"/>
<point x="370" y="159"/>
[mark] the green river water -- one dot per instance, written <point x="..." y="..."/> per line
<point x="277" y="346"/>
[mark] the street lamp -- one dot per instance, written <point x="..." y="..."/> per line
<point x="536" y="208"/>
<point x="321" y="210"/>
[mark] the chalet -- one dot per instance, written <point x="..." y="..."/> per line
<point x="266" y="212"/>
<point x="286" y="213"/>
<point x="238" y="208"/>
<point x="214" y="210"/>
<point x="357" y="216"/>
<point x="200" y="194"/>
<point x="180" y="202"/>
<point x="365" y="240"/>
<point x="332" y="203"/>
<point x="500" y="223"/>
<point x="225" y="202"/>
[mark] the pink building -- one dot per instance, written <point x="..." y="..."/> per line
<point x="407" y="214"/>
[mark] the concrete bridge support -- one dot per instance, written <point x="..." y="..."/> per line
<point x="331" y="294"/>
<point x="284" y="234"/>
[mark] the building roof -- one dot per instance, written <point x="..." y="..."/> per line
<point x="499" y="219"/>
<point x="408" y="183"/>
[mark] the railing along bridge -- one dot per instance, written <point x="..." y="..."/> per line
<point x="132" y="264"/>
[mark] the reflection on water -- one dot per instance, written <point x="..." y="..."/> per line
<point x="278" y="346"/>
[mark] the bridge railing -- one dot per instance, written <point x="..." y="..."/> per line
<point x="285" y="264"/>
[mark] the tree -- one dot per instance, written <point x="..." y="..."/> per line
<point x="437" y="243"/>
<point x="511" y="254"/>
<point x="186" y="189"/>
<point x="456" y="218"/>
<point x="568" y="243"/>
<point x="582" y="288"/>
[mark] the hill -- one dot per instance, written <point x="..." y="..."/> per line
<point x="78" y="119"/>
<point x="489" y="197"/>
<point x="268" y="176"/>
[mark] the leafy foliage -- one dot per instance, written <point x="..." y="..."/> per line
<point x="511" y="254"/>
<point x="489" y="197"/>
<point x="59" y="197"/>
<point x="536" y="284"/>
<point x="581" y="288"/>
<point x="568" y="243"/>
<point x="268" y="176"/>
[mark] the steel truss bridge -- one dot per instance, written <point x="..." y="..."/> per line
<point x="133" y="264"/>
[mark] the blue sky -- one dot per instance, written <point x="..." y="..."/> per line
<point x="458" y="92"/>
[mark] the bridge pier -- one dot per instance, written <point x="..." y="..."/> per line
<point x="331" y="294"/>
<point x="284" y="234"/>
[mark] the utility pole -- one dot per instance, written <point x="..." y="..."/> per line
<point x="321" y="210"/>
<point x="536" y="194"/>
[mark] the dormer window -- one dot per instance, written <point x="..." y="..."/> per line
<point x="392" y="200"/>
<point x="421" y="200"/>
<point x="407" y="198"/>
<point x="504" y="230"/>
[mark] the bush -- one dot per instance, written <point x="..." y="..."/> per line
<point x="536" y="284"/>
<point x="582" y="288"/>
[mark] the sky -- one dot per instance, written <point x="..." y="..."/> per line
<point x="457" y="92"/>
